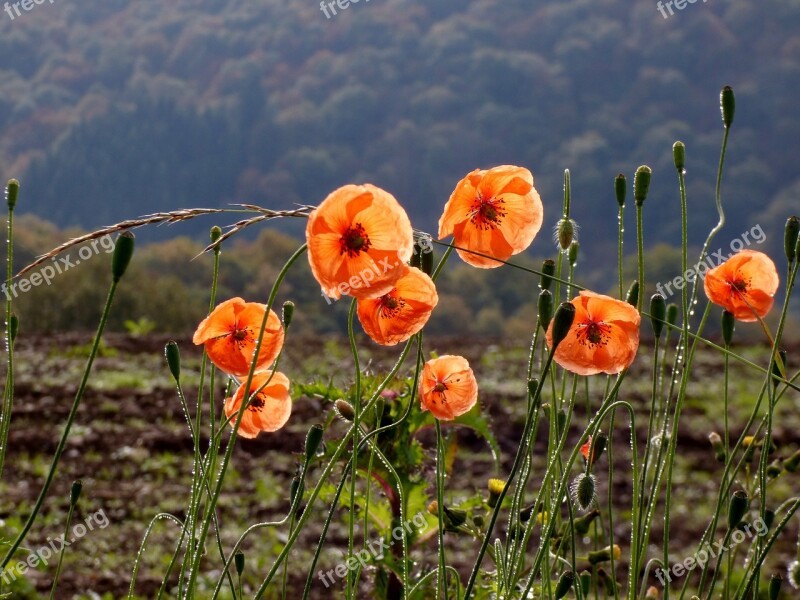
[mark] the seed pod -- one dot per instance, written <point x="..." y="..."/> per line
<point x="790" y="238"/>
<point x="672" y="314"/>
<point x="13" y="327"/>
<point x="173" y="355"/>
<point x="728" y="327"/>
<point x="238" y="559"/>
<point x="632" y="297"/>
<point x="572" y="253"/>
<point x="533" y="386"/>
<point x="775" y="583"/>
<point x="12" y="192"/>
<point x="727" y="105"/>
<point x="75" y="492"/>
<point x="288" y="313"/>
<point x="586" y="581"/>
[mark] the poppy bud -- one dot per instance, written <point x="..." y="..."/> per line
<point x="572" y="254"/>
<point x="679" y="155"/>
<point x="779" y="368"/>
<point x="75" y="492"/>
<point x="562" y="321"/>
<point x="13" y="327"/>
<point x="496" y="487"/>
<point x="215" y="234"/>
<point x="672" y="314"/>
<point x="790" y="238"/>
<point x="12" y="191"/>
<point x="582" y="491"/>
<point x="641" y="184"/>
<point x="123" y="251"/>
<point x="793" y="574"/>
<point x="566" y="231"/>
<point x="564" y="584"/>
<point x="632" y="297"/>
<point x="717" y="445"/>
<point x="727" y="105"/>
<point x="583" y="523"/>
<point x="545" y="308"/>
<point x="774" y="469"/>
<point x="728" y="327"/>
<point x="792" y="464"/>
<point x="416" y="257"/>
<point x="586" y="581"/>
<point x="288" y="313"/>
<point x="344" y="409"/>
<point x="426" y="264"/>
<point x="775" y="583"/>
<point x="238" y="559"/>
<point x="313" y="439"/>
<point x="533" y="386"/>
<point x="658" y="312"/>
<point x="739" y="505"/>
<point x="548" y="270"/>
<point x="769" y="518"/>
<point x="296" y="488"/>
<point x="597" y="447"/>
<point x="173" y="355"/>
<point x="620" y="189"/>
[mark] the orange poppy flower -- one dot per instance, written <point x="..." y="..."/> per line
<point x="603" y="338"/>
<point x="230" y="333"/>
<point x="448" y="387"/>
<point x="402" y="312"/>
<point x="744" y="285"/>
<point x="357" y="238"/>
<point x="586" y="447"/>
<point x="496" y="212"/>
<point x="268" y="411"/>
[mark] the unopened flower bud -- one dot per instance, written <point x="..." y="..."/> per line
<point x="620" y="189"/>
<point x="548" y="270"/>
<point x="583" y="523"/>
<point x="586" y="581"/>
<point x="123" y="252"/>
<point x="565" y="583"/>
<point x="774" y="469"/>
<point x="658" y="313"/>
<point x="238" y="559"/>
<point x="604" y="554"/>
<point x="75" y="492"/>
<point x="562" y="321"/>
<point x="545" y="308"/>
<point x="790" y="238"/>
<point x="572" y="253"/>
<point x="679" y="156"/>
<point x="533" y="386"/>
<point x="641" y="184"/>
<point x="313" y="440"/>
<point x="215" y="234"/>
<point x="672" y="314"/>
<point x="632" y="296"/>
<point x="727" y="105"/>
<point x="739" y="505"/>
<point x="13" y="327"/>
<point x="583" y="490"/>
<point x="496" y="487"/>
<point x="288" y="313"/>
<point x="717" y="445"/>
<point x="173" y="355"/>
<point x="566" y="232"/>
<point x="775" y="583"/>
<point x="12" y="192"/>
<point x="793" y="574"/>
<point x="652" y="593"/>
<point x="792" y="464"/>
<point x="344" y="409"/>
<point x="728" y="327"/>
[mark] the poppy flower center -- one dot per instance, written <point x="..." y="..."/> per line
<point x="440" y="388"/>
<point x="240" y="336"/>
<point x="487" y="214"/>
<point x="354" y="240"/>
<point x="740" y="285"/>
<point x="256" y="404"/>
<point x="593" y="334"/>
<point x="391" y="305"/>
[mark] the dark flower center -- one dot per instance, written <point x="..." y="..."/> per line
<point x="593" y="334"/>
<point x="487" y="214"/>
<point x="391" y="305"/>
<point x="354" y="240"/>
<point x="256" y="404"/>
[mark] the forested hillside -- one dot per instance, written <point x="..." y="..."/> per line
<point x="111" y="109"/>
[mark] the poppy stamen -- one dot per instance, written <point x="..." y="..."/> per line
<point x="593" y="334"/>
<point x="256" y="404"/>
<point x="354" y="241"/>
<point x="390" y="306"/>
<point x="487" y="214"/>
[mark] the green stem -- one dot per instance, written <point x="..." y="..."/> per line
<point x="63" y="551"/>
<point x="8" y="392"/>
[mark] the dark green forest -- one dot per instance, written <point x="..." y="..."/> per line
<point x="112" y="109"/>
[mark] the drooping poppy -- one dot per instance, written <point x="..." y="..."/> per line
<point x="448" y="387"/>
<point x="603" y="338"/>
<point x="230" y="334"/>
<point x="358" y="238"/>
<point x="586" y="447"/>
<point x="268" y="410"/>
<point x="744" y="285"/>
<point x="496" y="212"/>
<point x="402" y="312"/>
